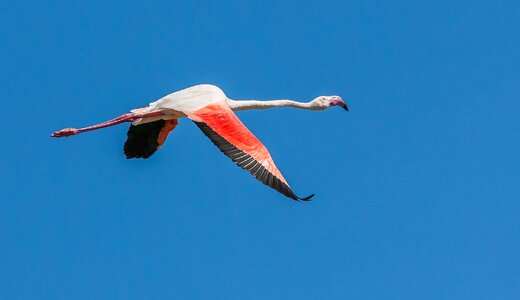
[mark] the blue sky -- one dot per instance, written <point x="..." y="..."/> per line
<point x="417" y="188"/>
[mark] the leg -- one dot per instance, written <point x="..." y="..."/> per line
<point x="130" y="117"/>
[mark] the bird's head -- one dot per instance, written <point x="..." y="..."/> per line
<point x="324" y="102"/>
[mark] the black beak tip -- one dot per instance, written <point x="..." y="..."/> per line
<point x="345" y="107"/>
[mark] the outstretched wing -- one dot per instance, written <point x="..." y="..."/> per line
<point x="144" y="139"/>
<point x="218" y="122"/>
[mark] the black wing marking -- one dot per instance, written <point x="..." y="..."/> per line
<point x="142" y="140"/>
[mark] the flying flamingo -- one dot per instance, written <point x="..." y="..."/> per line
<point x="212" y="112"/>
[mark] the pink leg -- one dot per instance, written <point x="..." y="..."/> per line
<point x="130" y="117"/>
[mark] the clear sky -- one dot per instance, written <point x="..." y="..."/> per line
<point x="417" y="187"/>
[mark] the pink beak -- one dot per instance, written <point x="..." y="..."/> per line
<point x="338" y="101"/>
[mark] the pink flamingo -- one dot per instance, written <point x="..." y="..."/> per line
<point x="212" y="111"/>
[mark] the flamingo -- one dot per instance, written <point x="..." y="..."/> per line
<point x="213" y="112"/>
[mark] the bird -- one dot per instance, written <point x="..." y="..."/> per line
<point x="213" y="112"/>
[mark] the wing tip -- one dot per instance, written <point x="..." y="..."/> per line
<point x="308" y="198"/>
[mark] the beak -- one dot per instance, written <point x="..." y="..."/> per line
<point x="338" y="101"/>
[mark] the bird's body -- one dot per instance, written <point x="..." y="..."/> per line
<point x="212" y="111"/>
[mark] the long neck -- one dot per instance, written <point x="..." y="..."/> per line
<point x="256" y="104"/>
